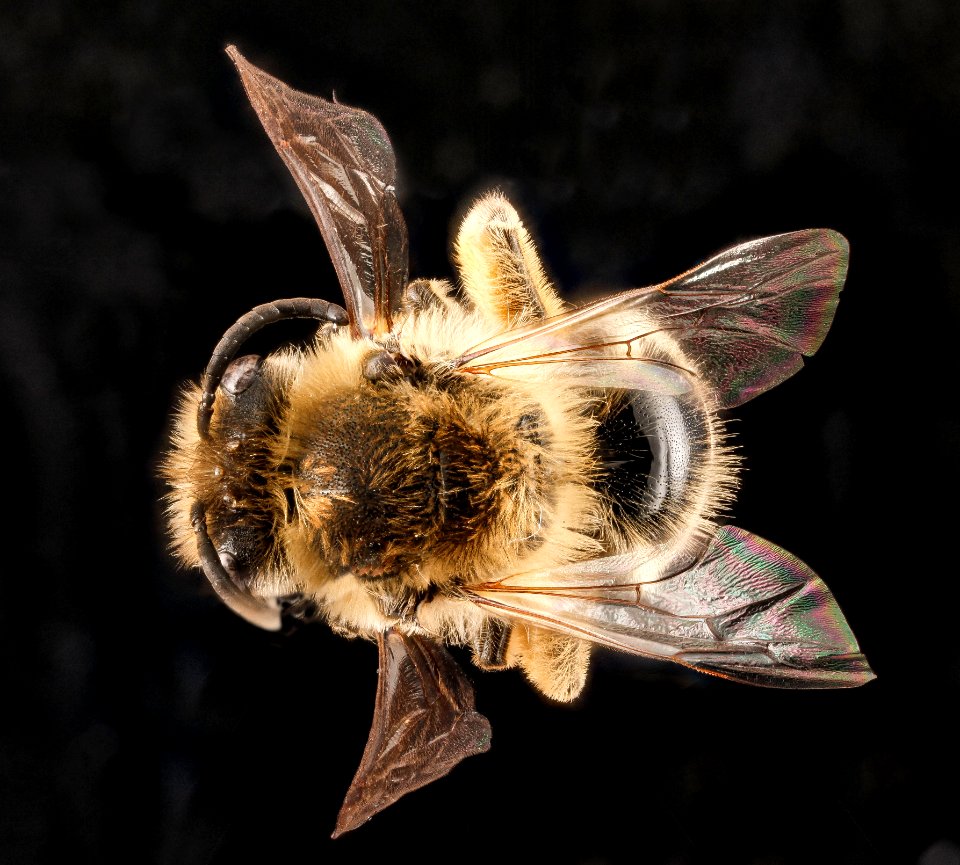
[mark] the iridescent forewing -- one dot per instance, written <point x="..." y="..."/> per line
<point x="746" y="317"/>
<point x="424" y="723"/>
<point x="769" y="303"/>
<point x="342" y="160"/>
<point x="747" y="610"/>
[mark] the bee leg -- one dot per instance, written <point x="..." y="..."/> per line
<point x="490" y="647"/>
<point x="554" y="663"/>
<point x="423" y="294"/>
<point x="499" y="266"/>
<point x="399" y="601"/>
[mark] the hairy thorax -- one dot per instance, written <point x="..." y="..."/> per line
<point x="405" y="487"/>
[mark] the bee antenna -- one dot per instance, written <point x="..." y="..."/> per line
<point x="257" y="611"/>
<point x="243" y="329"/>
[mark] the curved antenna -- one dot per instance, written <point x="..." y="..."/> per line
<point x="247" y="325"/>
<point x="257" y="611"/>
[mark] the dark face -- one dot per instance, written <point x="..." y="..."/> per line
<point x="237" y="498"/>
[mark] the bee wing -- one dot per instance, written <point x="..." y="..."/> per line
<point x="342" y="160"/>
<point x="424" y="724"/>
<point x="746" y="610"/>
<point x="746" y="317"/>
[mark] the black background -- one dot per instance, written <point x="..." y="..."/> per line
<point x="142" y="209"/>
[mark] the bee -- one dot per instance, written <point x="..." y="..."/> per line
<point x="482" y="466"/>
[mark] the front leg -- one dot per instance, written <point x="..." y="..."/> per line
<point x="398" y="599"/>
<point x="424" y="294"/>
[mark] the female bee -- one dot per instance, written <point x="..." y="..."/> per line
<point x="484" y="467"/>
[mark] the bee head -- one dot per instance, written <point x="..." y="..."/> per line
<point x="223" y="477"/>
<point x="236" y="509"/>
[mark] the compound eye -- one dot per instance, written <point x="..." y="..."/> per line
<point x="241" y="373"/>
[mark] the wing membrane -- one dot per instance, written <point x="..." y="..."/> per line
<point x="746" y="317"/>
<point x="343" y="162"/>
<point x="747" y="610"/>
<point x="424" y="724"/>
